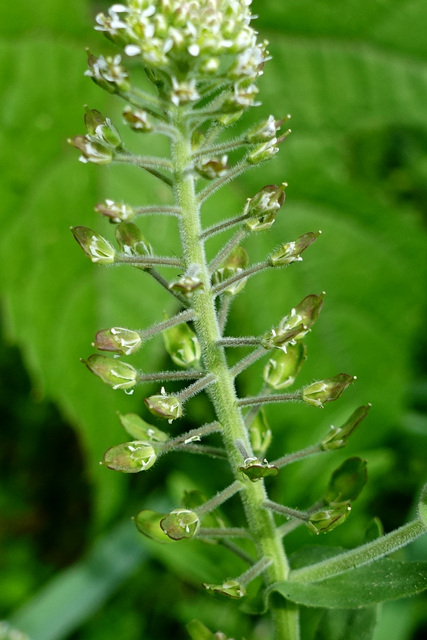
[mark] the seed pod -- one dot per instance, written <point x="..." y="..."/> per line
<point x="182" y="345"/>
<point x="283" y="366"/>
<point x="347" y="481"/>
<point x="291" y="251"/>
<point x="130" y="457"/>
<point x="119" y="340"/>
<point x="115" y="211"/>
<point x="97" y="248"/>
<point x="141" y="430"/>
<point x="164" y="406"/>
<point x="295" y="325"/>
<point x="262" y="208"/>
<point x="256" y="469"/>
<point x="327" y="390"/>
<point x="338" y="436"/>
<point x="235" y="263"/>
<point x="230" y="588"/>
<point x="328" y="519"/>
<point x="180" y="524"/>
<point x="118" y="375"/>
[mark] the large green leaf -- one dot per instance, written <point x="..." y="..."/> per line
<point x="382" y="580"/>
<point x="351" y="624"/>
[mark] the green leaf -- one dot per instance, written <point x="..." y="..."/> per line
<point x="352" y="624"/>
<point x="382" y="580"/>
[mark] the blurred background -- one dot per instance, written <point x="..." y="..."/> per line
<point x="354" y="78"/>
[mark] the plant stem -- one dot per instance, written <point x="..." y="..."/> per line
<point x="222" y="392"/>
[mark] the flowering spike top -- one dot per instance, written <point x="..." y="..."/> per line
<point x="185" y="39"/>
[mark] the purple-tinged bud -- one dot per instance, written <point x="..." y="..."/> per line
<point x="118" y="375"/>
<point x="213" y="168"/>
<point x="347" y="481"/>
<point x="119" y="340"/>
<point x="263" y="152"/>
<point x="283" y="366"/>
<point x="294" y="326"/>
<point x="182" y="345"/>
<point x="148" y="523"/>
<point x="131" y="240"/>
<point x="338" y="436"/>
<point x="328" y="390"/>
<point x="164" y="406"/>
<point x="256" y="469"/>
<point x="141" y="430"/>
<point x="116" y="212"/>
<point x="92" y="151"/>
<point x="235" y="263"/>
<point x="328" y="519"/>
<point x="261" y="210"/>
<point x="230" y="588"/>
<point x="130" y="457"/>
<point x="180" y="524"/>
<point x="260" y="434"/>
<point x="97" y="248"/>
<point x="291" y="251"/>
<point x="137" y="119"/>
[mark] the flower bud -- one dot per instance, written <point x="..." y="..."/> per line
<point x="118" y="375"/>
<point x="328" y="519"/>
<point x="119" y="340"/>
<point x="291" y="251"/>
<point x="338" y="436"/>
<point x="101" y="129"/>
<point x="115" y="211"/>
<point x="97" y="248"/>
<point x="294" y="326"/>
<point x="347" y="481"/>
<point x="263" y="152"/>
<point x="108" y="73"/>
<point x="243" y="96"/>
<point x="260" y="434"/>
<point x="263" y="132"/>
<point x="137" y="119"/>
<point x="141" y="430"/>
<point x="182" y="345"/>
<point x="235" y="263"/>
<point x="189" y="282"/>
<point x="184" y="92"/>
<point x="180" y="524"/>
<point x="130" y="457"/>
<point x="164" y="406"/>
<point x="92" y="151"/>
<point x="131" y="241"/>
<point x="283" y="366"/>
<point x="212" y="168"/>
<point x="230" y="588"/>
<point x="256" y="469"/>
<point x="261" y="210"/>
<point x="148" y="523"/>
<point x="326" y="390"/>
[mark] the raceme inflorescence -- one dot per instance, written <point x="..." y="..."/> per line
<point x="202" y="59"/>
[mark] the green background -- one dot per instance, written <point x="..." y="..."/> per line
<point x="354" y="77"/>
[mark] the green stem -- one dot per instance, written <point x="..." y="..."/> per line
<point x="361" y="555"/>
<point x="222" y="391"/>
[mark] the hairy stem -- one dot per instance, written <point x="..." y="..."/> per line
<point x="222" y="391"/>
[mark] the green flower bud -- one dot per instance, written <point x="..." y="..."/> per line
<point x="243" y="96"/>
<point x="184" y="92"/>
<point x="317" y="393"/>
<point x="263" y="132"/>
<point x="115" y="211"/>
<point x="328" y="519"/>
<point x="283" y="366"/>
<point x="213" y="168"/>
<point x="338" y="436"/>
<point x="92" y="151"/>
<point x="294" y="326"/>
<point x="148" y="523"/>
<point x="230" y="588"/>
<point x="256" y="469"/>
<point x="261" y="210"/>
<point x="119" y="340"/>
<point x="180" y="524"/>
<point x="137" y="119"/>
<point x="130" y="457"/>
<point x="97" y="248"/>
<point x="118" y="375"/>
<point x="260" y="434"/>
<point x="101" y="129"/>
<point x="182" y="345"/>
<point x="131" y="241"/>
<point x="263" y="152"/>
<point x="235" y="263"/>
<point x="291" y="251"/>
<point x="108" y="73"/>
<point x="141" y="430"/>
<point x="347" y="481"/>
<point x="164" y="406"/>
